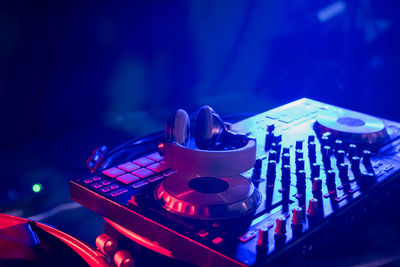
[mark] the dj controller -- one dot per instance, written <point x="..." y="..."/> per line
<point x="278" y="184"/>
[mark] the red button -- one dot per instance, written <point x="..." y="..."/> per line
<point x="203" y="233"/>
<point x="217" y="240"/>
<point x="119" y="192"/>
<point x="140" y="184"/>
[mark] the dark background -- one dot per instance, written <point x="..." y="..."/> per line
<point x="75" y="75"/>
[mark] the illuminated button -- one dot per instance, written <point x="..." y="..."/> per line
<point x="106" y="189"/>
<point x="127" y="178"/>
<point x="155" y="178"/>
<point x="143" y="173"/>
<point x="203" y="233"/>
<point x="155" y="156"/>
<point x="247" y="236"/>
<point x="113" y="172"/>
<point x="96" y="178"/>
<point x="157" y="167"/>
<point x="118" y="192"/>
<point x="88" y="181"/>
<point x="140" y="184"/>
<point x="129" y="166"/>
<point x="217" y="240"/>
<point x="168" y="173"/>
<point x="105" y="182"/>
<point x="114" y="186"/>
<point x="97" y="185"/>
<point x="143" y="161"/>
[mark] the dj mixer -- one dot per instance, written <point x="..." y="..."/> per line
<point x="310" y="166"/>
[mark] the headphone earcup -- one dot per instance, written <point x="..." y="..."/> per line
<point x="210" y="131"/>
<point x="181" y="127"/>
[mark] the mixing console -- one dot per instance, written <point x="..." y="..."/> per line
<point x="315" y="166"/>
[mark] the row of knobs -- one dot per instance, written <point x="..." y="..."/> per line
<point x="329" y="147"/>
<point x="297" y="220"/>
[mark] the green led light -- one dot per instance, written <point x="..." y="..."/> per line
<point x="37" y="188"/>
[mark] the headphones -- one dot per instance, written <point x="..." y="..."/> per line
<point x="216" y="151"/>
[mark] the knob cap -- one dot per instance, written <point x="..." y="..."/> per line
<point x="325" y="139"/>
<point x="286" y="150"/>
<point x="315" y="171"/>
<point x="312" y="152"/>
<point x="355" y="167"/>
<point x="312" y="209"/>
<point x="352" y="150"/>
<point x="299" y="145"/>
<point x="277" y="139"/>
<point x="271" y="173"/>
<point x="367" y="179"/>
<point x="317" y="188"/>
<point x="280" y="226"/>
<point x="286" y="159"/>
<point x="326" y="152"/>
<point x="272" y="155"/>
<point x="257" y="171"/>
<point x="366" y="158"/>
<point x="338" y="145"/>
<point x="344" y="173"/>
<point x="297" y="221"/>
<point x="285" y="177"/>
<point x="298" y="154"/>
<point x="277" y="148"/>
<point x="297" y="218"/>
<point x="262" y="240"/>
<point x="300" y="165"/>
<point x="340" y="157"/>
<point x="331" y="182"/>
<point x="270" y="128"/>
<point x="301" y="179"/>
<point x="106" y="244"/>
<point x="123" y="258"/>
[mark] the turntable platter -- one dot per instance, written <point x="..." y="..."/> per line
<point x="352" y="127"/>
<point x="208" y="197"/>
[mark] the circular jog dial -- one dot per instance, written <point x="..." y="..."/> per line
<point x="208" y="197"/>
<point x="352" y="127"/>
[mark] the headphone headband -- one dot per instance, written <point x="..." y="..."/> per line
<point x="210" y="162"/>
